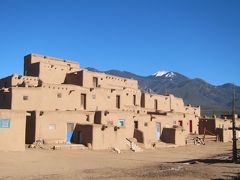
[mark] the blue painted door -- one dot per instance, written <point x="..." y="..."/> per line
<point x="70" y="129"/>
<point x="158" y="130"/>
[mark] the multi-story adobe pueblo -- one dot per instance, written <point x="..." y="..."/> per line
<point x="57" y="101"/>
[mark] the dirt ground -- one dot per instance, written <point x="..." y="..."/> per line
<point x="189" y="162"/>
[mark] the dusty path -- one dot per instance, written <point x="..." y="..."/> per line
<point x="151" y="164"/>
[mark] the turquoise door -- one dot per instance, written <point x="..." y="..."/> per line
<point x="70" y="129"/>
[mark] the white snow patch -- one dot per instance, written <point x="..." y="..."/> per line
<point x="160" y="73"/>
<point x="166" y="74"/>
<point x="170" y="75"/>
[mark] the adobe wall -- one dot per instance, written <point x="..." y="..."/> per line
<point x="52" y="125"/>
<point x="225" y="123"/>
<point x="109" y="138"/>
<point x="225" y="135"/>
<point x="146" y="130"/>
<point x="85" y="78"/>
<point x="163" y="102"/>
<point x="45" y="98"/>
<point x="17" y="80"/>
<point x="12" y="134"/>
<point x="144" y="133"/>
<point x="174" y="135"/>
<point x="68" y="97"/>
<point x="49" y="69"/>
<point x="168" y="103"/>
<point x="172" y="119"/>
<point x="212" y="124"/>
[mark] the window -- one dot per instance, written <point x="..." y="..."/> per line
<point x="180" y="123"/>
<point x="134" y="100"/>
<point x="136" y="124"/>
<point x="4" y="123"/>
<point x="146" y="124"/>
<point x="59" y="95"/>
<point x="118" y="101"/>
<point x="155" y="104"/>
<point x="52" y="126"/>
<point x="121" y="123"/>
<point x="83" y="101"/>
<point x="25" y="98"/>
<point x="95" y="82"/>
<point x="143" y="100"/>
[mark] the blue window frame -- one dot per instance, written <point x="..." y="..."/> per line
<point x="4" y="123"/>
<point x="121" y="123"/>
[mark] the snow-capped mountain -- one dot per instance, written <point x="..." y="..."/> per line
<point x="167" y="74"/>
<point x="160" y="73"/>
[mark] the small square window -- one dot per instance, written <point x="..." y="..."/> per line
<point x="121" y="123"/>
<point x="4" y="123"/>
<point x="59" y="95"/>
<point x="145" y="124"/>
<point x="25" y="98"/>
<point x="52" y="126"/>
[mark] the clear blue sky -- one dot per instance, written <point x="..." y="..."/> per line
<point x="198" y="38"/>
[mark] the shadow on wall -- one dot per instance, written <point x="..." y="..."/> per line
<point x="138" y="135"/>
<point x="82" y="134"/>
<point x="168" y="135"/>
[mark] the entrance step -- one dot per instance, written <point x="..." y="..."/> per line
<point x="160" y="144"/>
<point x="69" y="147"/>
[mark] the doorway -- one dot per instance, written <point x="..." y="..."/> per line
<point x="70" y="129"/>
<point x="30" y="130"/>
<point x="83" y="101"/>
<point x="180" y="123"/>
<point x="190" y="126"/>
<point x="158" y="130"/>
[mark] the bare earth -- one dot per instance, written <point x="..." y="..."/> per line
<point x="188" y="162"/>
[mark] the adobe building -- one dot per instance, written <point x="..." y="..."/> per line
<point x="219" y="126"/>
<point x="58" y="102"/>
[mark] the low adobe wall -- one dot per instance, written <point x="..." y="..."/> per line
<point x="103" y="137"/>
<point x="225" y="135"/>
<point x="174" y="135"/>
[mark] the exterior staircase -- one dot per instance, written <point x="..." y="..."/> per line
<point x="195" y="139"/>
<point x="132" y="144"/>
